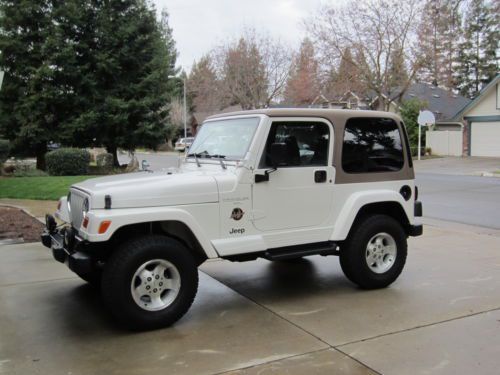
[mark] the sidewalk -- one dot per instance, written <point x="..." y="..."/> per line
<point x="35" y="208"/>
<point x="474" y="166"/>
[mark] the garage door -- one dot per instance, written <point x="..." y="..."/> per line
<point x="485" y="139"/>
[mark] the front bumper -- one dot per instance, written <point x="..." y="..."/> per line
<point x="66" y="248"/>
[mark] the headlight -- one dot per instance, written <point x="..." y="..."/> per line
<point x="85" y="206"/>
<point x="68" y="201"/>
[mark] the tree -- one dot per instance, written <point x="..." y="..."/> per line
<point x="134" y="57"/>
<point x="303" y="82"/>
<point x="346" y="78"/>
<point x="204" y="87"/>
<point x="409" y="111"/>
<point x="439" y="31"/>
<point x="27" y="112"/>
<point x="253" y="70"/>
<point x="375" y="31"/>
<point x="478" y="56"/>
<point x="85" y="72"/>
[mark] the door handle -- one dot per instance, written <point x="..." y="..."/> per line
<point x="319" y="176"/>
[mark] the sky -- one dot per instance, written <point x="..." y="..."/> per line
<point x="200" y="25"/>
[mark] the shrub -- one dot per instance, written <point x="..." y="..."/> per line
<point x="30" y="172"/>
<point x="68" y="162"/>
<point x="4" y="150"/>
<point x="104" y="161"/>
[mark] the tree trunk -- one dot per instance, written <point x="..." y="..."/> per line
<point x="113" y="150"/>
<point x="40" y="151"/>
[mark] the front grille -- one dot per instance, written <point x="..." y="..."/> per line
<point x="76" y="204"/>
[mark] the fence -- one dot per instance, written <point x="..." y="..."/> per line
<point x="444" y="142"/>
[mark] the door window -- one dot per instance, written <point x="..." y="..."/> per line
<point x="306" y="143"/>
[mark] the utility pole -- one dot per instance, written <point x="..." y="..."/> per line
<point x="185" y="108"/>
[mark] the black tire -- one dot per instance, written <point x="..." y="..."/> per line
<point x="93" y="278"/>
<point x="353" y="252"/>
<point x="126" y="260"/>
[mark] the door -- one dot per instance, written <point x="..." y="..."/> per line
<point x="485" y="138"/>
<point x="299" y="193"/>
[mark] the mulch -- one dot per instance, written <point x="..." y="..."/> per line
<point x="18" y="225"/>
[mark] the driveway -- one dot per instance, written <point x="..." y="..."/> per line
<point x="441" y="317"/>
<point x="459" y="166"/>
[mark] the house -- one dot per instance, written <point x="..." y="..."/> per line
<point x="348" y="100"/>
<point x="442" y="103"/>
<point x="445" y="137"/>
<point x="481" y="119"/>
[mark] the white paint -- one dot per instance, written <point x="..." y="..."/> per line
<point x="425" y="118"/>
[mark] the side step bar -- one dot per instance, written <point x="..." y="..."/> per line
<point x="297" y="251"/>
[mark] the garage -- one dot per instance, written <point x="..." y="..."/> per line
<point x="485" y="139"/>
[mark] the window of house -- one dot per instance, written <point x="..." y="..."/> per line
<point x="372" y="145"/>
<point x="307" y="143"/>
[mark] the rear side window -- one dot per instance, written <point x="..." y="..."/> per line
<point x="372" y="145"/>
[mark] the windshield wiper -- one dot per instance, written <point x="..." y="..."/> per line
<point x="195" y="158"/>
<point x="220" y="157"/>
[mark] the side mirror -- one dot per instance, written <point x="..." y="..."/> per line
<point x="278" y="154"/>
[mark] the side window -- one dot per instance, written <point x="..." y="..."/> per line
<point x="306" y="143"/>
<point x="372" y="145"/>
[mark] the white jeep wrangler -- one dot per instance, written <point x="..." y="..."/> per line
<point x="276" y="183"/>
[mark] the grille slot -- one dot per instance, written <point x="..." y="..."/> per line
<point x="76" y="204"/>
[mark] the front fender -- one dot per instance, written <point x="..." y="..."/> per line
<point x="127" y="216"/>
<point x="356" y="201"/>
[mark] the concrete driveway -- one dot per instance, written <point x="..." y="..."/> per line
<point x="441" y="317"/>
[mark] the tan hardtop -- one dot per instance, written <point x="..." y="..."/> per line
<point x="337" y="117"/>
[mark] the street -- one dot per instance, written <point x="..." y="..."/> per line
<point x="464" y="199"/>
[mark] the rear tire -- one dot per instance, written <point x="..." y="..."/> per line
<point x="375" y="253"/>
<point x="150" y="282"/>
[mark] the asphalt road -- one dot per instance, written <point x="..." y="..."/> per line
<point x="465" y="199"/>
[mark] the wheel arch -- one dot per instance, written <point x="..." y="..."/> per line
<point x="357" y="208"/>
<point x="172" y="228"/>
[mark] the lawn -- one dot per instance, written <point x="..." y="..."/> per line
<point x="42" y="188"/>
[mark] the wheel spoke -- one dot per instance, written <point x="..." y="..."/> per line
<point x="159" y="270"/>
<point x="171" y="285"/>
<point x="146" y="274"/>
<point x="141" y="289"/>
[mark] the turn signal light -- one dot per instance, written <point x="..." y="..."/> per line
<point x="86" y="222"/>
<point x="59" y="205"/>
<point x="103" y="227"/>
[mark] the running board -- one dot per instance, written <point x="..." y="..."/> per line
<point x="297" y="251"/>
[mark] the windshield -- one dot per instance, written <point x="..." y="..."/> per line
<point x="229" y="139"/>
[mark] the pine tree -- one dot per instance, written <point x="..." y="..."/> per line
<point x="28" y="116"/>
<point x="478" y="56"/>
<point x="85" y="72"/>
<point x="302" y="84"/>
<point x="438" y="41"/>
<point x="204" y="86"/>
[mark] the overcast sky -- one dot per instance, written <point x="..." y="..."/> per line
<point x="199" y="25"/>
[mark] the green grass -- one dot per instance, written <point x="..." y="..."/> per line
<point x="42" y="188"/>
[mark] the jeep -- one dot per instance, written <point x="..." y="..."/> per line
<point x="279" y="184"/>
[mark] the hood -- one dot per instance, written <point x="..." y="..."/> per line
<point x="148" y="189"/>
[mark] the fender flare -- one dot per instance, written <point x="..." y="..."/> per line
<point x="122" y="217"/>
<point x="355" y="203"/>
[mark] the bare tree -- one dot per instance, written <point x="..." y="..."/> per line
<point x="253" y="69"/>
<point x="375" y="31"/>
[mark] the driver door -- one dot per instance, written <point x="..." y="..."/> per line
<point x="299" y="193"/>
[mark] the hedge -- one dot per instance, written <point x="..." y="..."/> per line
<point x="67" y="162"/>
<point x="4" y="150"/>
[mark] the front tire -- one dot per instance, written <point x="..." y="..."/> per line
<point x="375" y="253"/>
<point x="150" y="282"/>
